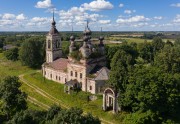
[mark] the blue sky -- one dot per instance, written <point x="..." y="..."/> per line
<point x="111" y="15"/>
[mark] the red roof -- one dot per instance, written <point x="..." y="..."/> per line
<point x="59" y="64"/>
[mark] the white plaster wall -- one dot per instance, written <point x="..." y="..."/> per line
<point x="80" y="69"/>
<point x="61" y="76"/>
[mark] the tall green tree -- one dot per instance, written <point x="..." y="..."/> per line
<point x="146" y="52"/>
<point x="12" y="54"/>
<point x="13" y="100"/>
<point x="31" y="52"/>
<point x="157" y="44"/>
<point x="121" y="64"/>
<point x="168" y="59"/>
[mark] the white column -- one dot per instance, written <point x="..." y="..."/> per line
<point x="104" y="102"/>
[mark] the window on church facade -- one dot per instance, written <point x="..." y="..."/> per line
<point x="59" y="78"/>
<point x="80" y="75"/>
<point x="56" y="77"/>
<point x="51" y="75"/>
<point x="90" y="88"/>
<point x="71" y="73"/>
<point x="49" y="44"/>
<point x="57" y="44"/>
<point x="75" y="74"/>
<point x="65" y="80"/>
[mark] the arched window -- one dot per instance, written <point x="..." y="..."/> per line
<point x="71" y="73"/>
<point x="57" y="44"/>
<point x="80" y="75"/>
<point x="75" y="74"/>
<point x="49" y="44"/>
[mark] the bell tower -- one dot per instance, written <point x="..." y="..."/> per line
<point x="53" y="44"/>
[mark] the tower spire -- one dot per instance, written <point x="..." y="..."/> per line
<point x="53" y="14"/>
<point x="53" y="22"/>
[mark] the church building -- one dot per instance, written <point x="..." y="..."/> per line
<point x="84" y="68"/>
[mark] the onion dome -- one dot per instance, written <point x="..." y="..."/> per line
<point x="87" y="32"/>
<point x="72" y="38"/>
<point x="53" y="27"/>
<point x="86" y="38"/>
<point x="101" y="38"/>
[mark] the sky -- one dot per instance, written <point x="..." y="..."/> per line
<point x="111" y="15"/>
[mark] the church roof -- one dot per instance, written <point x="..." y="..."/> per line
<point x="71" y="83"/>
<point x="53" y="27"/>
<point x="102" y="74"/>
<point x="59" y="64"/>
<point x="53" y="31"/>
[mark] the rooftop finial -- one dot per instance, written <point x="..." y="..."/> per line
<point x="53" y="22"/>
<point x="87" y="23"/>
<point x="53" y="14"/>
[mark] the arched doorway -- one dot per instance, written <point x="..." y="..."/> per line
<point x="110" y="100"/>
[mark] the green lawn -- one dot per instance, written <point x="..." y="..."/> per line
<point x="12" y="68"/>
<point x="74" y="100"/>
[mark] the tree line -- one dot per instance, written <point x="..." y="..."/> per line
<point x="147" y="78"/>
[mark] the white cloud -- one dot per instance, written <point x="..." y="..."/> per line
<point x="40" y="19"/>
<point x="97" y="5"/>
<point x="140" y="24"/>
<point x="104" y="21"/>
<point x="133" y="19"/>
<point x="121" y="5"/>
<point x="175" y="5"/>
<point x="44" y="4"/>
<point x="127" y="11"/>
<point x="158" y="17"/>
<point x="8" y="16"/>
<point x="20" y="17"/>
<point x="177" y="19"/>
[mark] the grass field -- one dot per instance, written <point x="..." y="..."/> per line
<point x="74" y="100"/>
<point x="12" y="68"/>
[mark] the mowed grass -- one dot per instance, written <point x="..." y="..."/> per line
<point x="76" y="99"/>
<point x="11" y="68"/>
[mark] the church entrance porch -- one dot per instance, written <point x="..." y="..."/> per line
<point x="110" y="100"/>
<point x="71" y="85"/>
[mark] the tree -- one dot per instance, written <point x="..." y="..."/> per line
<point x="28" y="117"/>
<point x="157" y="44"/>
<point x="13" y="100"/>
<point x="31" y="53"/>
<point x="1" y="43"/>
<point x="12" y="54"/>
<point x="121" y="64"/>
<point x="177" y="41"/>
<point x="146" y="52"/>
<point x="168" y="59"/>
<point x="54" y="110"/>
<point x="151" y="89"/>
<point x="74" y="116"/>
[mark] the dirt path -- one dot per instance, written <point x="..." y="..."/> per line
<point x="50" y="97"/>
